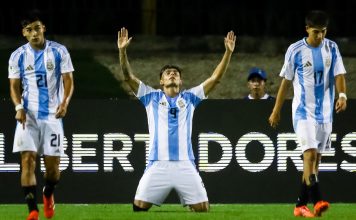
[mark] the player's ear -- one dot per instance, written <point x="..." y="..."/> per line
<point x="44" y="28"/>
<point x="306" y="28"/>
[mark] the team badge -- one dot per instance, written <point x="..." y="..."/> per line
<point x="49" y="65"/>
<point x="328" y="62"/>
<point x="181" y="103"/>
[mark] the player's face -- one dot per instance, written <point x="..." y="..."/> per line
<point x="316" y="35"/>
<point x="171" y="78"/>
<point x="34" y="33"/>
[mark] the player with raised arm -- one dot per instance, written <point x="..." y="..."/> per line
<point x="42" y="69"/>
<point x="170" y="113"/>
<point x="315" y="66"/>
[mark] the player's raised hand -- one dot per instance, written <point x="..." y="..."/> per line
<point x="123" y="39"/>
<point x="229" y="41"/>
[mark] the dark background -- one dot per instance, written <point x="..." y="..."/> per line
<point x="166" y="28"/>
<point x="180" y="17"/>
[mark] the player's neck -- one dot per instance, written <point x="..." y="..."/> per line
<point x="38" y="46"/>
<point x="171" y="91"/>
<point x="311" y="43"/>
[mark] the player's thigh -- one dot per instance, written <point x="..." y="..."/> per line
<point x="189" y="185"/>
<point x="27" y="139"/>
<point x="52" y="137"/>
<point x="306" y="134"/>
<point x="323" y="136"/>
<point x="155" y="184"/>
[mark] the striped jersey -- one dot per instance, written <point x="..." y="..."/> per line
<point x="41" y="72"/>
<point x="313" y="71"/>
<point x="170" y="121"/>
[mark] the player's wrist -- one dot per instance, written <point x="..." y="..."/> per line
<point x="342" y="95"/>
<point x="18" y="107"/>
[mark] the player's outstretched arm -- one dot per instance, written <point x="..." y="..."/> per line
<point x="123" y="42"/>
<point x="219" y="71"/>
<point x="15" y="93"/>
<point x="281" y="96"/>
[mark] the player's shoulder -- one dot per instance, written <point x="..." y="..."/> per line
<point x="57" y="46"/>
<point x="296" y="45"/>
<point x="330" y="43"/>
<point x="18" y="52"/>
<point x="192" y="90"/>
<point x="327" y="40"/>
<point x="294" y="48"/>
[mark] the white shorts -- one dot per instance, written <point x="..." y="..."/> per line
<point x="161" y="177"/>
<point x="41" y="136"/>
<point x="312" y="135"/>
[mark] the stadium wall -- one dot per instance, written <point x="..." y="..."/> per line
<point x="240" y="157"/>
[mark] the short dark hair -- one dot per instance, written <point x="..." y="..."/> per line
<point x="170" y="66"/>
<point x="30" y="17"/>
<point x="317" y="18"/>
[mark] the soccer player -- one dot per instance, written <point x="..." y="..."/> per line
<point x="170" y="113"/>
<point x="42" y="70"/>
<point x="315" y="67"/>
<point x="256" y="82"/>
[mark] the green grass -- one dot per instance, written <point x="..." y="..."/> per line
<point x="177" y="212"/>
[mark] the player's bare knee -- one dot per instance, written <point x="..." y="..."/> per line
<point x="200" y="207"/>
<point x="52" y="168"/>
<point x="52" y="174"/>
<point x="139" y="205"/>
<point x="28" y="162"/>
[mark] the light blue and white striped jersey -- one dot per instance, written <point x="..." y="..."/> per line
<point x="313" y="71"/>
<point x="170" y="121"/>
<point x="41" y="75"/>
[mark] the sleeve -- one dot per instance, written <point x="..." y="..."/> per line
<point x="196" y="94"/>
<point x="13" y="68"/>
<point x="66" y="62"/>
<point x="339" y="67"/>
<point x="287" y="70"/>
<point x="145" y="93"/>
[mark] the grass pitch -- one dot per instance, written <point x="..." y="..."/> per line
<point x="176" y="212"/>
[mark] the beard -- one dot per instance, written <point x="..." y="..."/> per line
<point x="172" y="84"/>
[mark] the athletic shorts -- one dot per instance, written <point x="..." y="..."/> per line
<point x="161" y="177"/>
<point x="312" y="135"/>
<point x="42" y="136"/>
